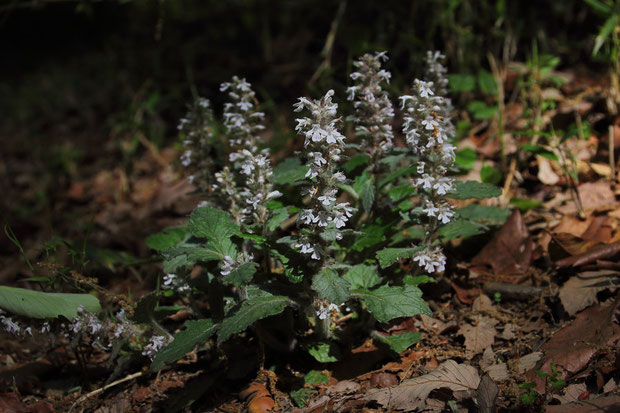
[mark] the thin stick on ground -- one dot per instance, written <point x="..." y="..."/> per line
<point x="104" y="388"/>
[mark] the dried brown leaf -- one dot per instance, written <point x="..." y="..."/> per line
<point x="594" y="405"/>
<point x="480" y="336"/>
<point x="580" y="291"/>
<point x="412" y="393"/>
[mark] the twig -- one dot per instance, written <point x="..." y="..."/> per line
<point x="513" y="291"/>
<point x="329" y="43"/>
<point x="612" y="161"/>
<point x="104" y="388"/>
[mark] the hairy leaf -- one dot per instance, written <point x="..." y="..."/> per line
<point x="474" y="189"/>
<point x="387" y="303"/>
<point x="196" y="332"/>
<point x="217" y="227"/>
<point x="389" y="256"/>
<point x="290" y="171"/>
<point x="242" y="274"/>
<point x="461" y="228"/>
<point x="167" y="238"/>
<point x="36" y="304"/>
<point x="330" y="286"/>
<point x="488" y="215"/>
<point x="364" y="187"/>
<point x="401" y="342"/>
<point x="324" y="352"/>
<point x="362" y="276"/>
<point x="248" y="312"/>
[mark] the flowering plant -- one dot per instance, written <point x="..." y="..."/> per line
<point x="360" y="204"/>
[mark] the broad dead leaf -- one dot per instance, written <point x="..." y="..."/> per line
<point x="480" y="336"/>
<point x="528" y="361"/>
<point x="592" y="405"/>
<point x="486" y="394"/>
<point x="572" y="347"/>
<point x="580" y="290"/>
<point x="510" y="251"/>
<point x="571" y="393"/>
<point x="412" y="393"/>
<point x="596" y="195"/>
<point x="546" y="174"/>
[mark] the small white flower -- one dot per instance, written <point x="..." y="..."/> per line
<point x="443" y="186"/>
<point x="426" y="181"/>
<point x="430" y="123"/>
<point x="327" y="199"/>
<point x="425" y="88"/>
<point x="186" y="158"/>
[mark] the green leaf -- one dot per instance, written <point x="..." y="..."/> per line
<point x="417" y="280"/>
<point x="362" y="276"/>
<point x="302" y="396"/>
<point x="330" y="286"/>
<point x="355" y="161"/>
<point x="389" y="256"/>
<point x="242" y="274"/>
<point x="371" y="235"/>
<point x="217" y="226"/>
<point x="36" y="304"/>
<point x="324" y="352"/>
<point x="248" y="312"/>
<point x="315" y="377"/>
<point x="525" y="204"/>
<point x="487" y="215"/>
<point x="401" y="342"/>
<point x="145" y="310"/>
<point x="397" y="174"/>
<point x="387" y="303"/>
<point x="487" y="83"/>
<point x="466" y="158"/>
<point x="173" y="264"/>
<point x="399" y="192"/>
<point x="167" y="238"/>
<point x="196" y="332"/>
<point x="277" y="218"/>
<point x="599" y="7"/>
<point x="480" y="110"/>
<point x="364" y="187"/>
<point x="490" y="175"/>
<point x="461" y="83"/>
<point x="290" y="171"/>
<point x="608" y="27"/>
<point x="539" y="150"/>
<point x="474" y="189"/>
<point x="460" y="228"/>
<point x="259" y="239"/>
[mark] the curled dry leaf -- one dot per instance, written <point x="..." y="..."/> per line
<point x="580" y="290"/>
<point x="592" y="405"/>
<point x="486" y="394"/>
<point x="257" y="398"/>
<point x="412" y="393"/>
<point x="595" y="253"/>
<point x="528" y="361"/>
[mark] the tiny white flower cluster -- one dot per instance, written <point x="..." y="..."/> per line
<point x="230" y="264"/>
<point x="428" y="130"/>
<point x="324" y="145"/>
<point x="176" y="283"/>
<point x="325" y="310"/>
<point x="196" y="127"/>
<point x="241" y="118"/>
<point x="227" y="187"/>
<point x="259" y="189"/>
<point x="373" y="108"/>
<point x="12" y="327"/>
<point x="155" y="344"/>
<point x="85" y="322"/>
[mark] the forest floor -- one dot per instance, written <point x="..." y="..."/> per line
<point x="526" y="318"/>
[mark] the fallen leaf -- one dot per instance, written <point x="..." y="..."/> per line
<point x="572" y="347"/>
<point x="483" y="303"/>
<point x="611" y="385"/>
<point x="486" y="394"/>
<point x="596" y="195"/>
<point x="480" y="336"/>
<point x="412" y="393"/>
<point x="498" y="372"/>
<point x="580" y="290"/>
<point x="510" y="251"/>
<point x="257" y="398"/>
<point x="343" y="387"/>
<point x="508" y="333"/>
<point x="595" y="405"/>
<point x="546" y="174"/>
<point x="571" y="393"/>
<point x="528" y="361"/>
